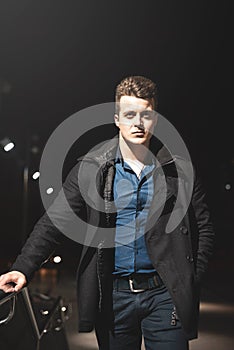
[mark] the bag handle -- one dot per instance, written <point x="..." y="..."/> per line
<point x="11" y="312"/>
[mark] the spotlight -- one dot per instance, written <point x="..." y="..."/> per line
<point x="7" y="144"/>
<point x="228" y="187"/>
<point x="57" y="259"/>
<point x="36" y="175"/>
<point x="49" y="190"/>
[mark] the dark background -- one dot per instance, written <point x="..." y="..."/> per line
<point x="58" y="57"/>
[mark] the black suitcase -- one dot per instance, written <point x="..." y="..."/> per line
<point x="32" y="322"/>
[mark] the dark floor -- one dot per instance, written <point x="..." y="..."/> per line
<point x="216" y="319"/>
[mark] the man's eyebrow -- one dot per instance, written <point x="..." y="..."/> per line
<point x="132" y="111"/>
<point x="129" y="111"/>
<point x="148" y="111"/>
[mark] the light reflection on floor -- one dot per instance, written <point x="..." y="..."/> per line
<point x="216" y="308"/>
<point x="215" y="328"/>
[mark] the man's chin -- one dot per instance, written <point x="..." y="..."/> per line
<point x="138" y="141"/>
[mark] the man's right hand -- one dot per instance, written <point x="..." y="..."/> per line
<point x="18" y="278"/>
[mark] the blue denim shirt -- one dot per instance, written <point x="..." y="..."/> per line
<point x="132" y="196"/>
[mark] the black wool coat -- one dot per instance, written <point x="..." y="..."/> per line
<point x="180" y="256"/>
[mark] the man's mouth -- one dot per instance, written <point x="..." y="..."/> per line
<point x="138" y="132"/>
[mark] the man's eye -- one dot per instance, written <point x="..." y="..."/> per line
<point x="130" y="115"/>
<point x="148" y="115"/>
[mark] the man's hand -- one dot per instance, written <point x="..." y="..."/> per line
<point x="15" y="277"/>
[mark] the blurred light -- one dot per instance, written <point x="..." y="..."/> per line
<point x="35" y="150"/>
<point x="5" y="87"/>
<point x="227" y="187"/>
<point x="44" y="312"/>
<point x="7" y="144"/>
<point x="57" y="259"/>
<point x="216" y="308"/>
<point x="36" y="175"/>
<point x="49" y="190"/>
<point x="63" y="308"/>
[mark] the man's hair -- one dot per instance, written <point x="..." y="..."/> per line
<point x="137" y="86"/>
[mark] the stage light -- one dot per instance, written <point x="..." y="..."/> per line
<point x="49" y="190"/>
<point x="36" y="175"/>
<point x="7" y="144"/>
<point x="57" y="259"/>
<point x="228" y="187"/>
<point x="9" y="147"/>
<point x="44" y="312"/>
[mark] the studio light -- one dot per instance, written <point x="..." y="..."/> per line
<point x="7" y="144"/>
<point x="49" y="190"/>
<point x="36" y="175"/>
<point x="57" y="259"/>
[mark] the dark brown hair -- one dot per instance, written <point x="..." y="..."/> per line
<point x="137" y="86"/>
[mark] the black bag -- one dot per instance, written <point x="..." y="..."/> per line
<point x="33" y="322"/>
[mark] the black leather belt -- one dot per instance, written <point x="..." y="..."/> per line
<point x="137" y="283"/>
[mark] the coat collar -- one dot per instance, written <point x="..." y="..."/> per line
<point x="167" y="172"/>
<point x="107" y="152"/>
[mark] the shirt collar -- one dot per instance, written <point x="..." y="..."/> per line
<point x="119" y="159"/>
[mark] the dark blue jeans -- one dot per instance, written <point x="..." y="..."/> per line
<point x="149" y="313"/>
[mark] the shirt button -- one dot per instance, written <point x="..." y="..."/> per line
<point x="184" y="230"/>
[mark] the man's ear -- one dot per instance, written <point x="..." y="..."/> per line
<point x="156" y="119"/>
<point x="116" y="118"/>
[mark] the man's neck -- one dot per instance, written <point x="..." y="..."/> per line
<point x="132" y="151"/>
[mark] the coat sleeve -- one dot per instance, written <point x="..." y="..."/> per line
<point x="205" y="229"/>
<point x="49" y="230"/>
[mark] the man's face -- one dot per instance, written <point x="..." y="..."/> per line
<point x="136" y="119"/>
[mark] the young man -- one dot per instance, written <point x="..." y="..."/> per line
<point x="148" y="282"/>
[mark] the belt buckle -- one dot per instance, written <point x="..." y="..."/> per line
<point x="132" y="289"/>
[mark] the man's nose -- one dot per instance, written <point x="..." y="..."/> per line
<point x="138" y="119"/>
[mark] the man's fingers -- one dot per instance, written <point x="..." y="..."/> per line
<point x="14" y="276"/>
<point x="4" y="284"/>
<point x="7" y="278"/>
<point x="20" y="284"/>
<point x="8" y="289"/>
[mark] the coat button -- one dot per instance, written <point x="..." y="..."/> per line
<point x="184" y="230"/>
<point x="189" y="258"/>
